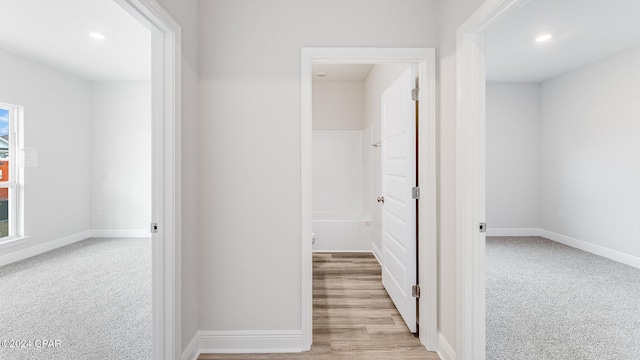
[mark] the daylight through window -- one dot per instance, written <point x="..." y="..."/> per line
<point x="9" y="118"/>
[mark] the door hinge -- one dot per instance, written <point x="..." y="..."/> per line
<point x="483" y="227"/>
<point x="415" y="291"/>
<point x="415" y="94"/>
<point x="415" y="193"/>
<point x="154" y="228"/>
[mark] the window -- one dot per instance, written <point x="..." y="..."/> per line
<point x="10" y="174"/>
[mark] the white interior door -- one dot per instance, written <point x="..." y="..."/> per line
<point x="399" y="208"/>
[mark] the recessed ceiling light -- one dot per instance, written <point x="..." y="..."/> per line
<point x="544" y="37"/>
<point x="321" y="74"/>
<point x="97" y="35"/>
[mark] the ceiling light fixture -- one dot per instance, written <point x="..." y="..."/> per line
<point x="97" y="35"/>
<point x="544" y="37"/>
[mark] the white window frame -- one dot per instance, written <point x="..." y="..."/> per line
<point x="16" y="174"/>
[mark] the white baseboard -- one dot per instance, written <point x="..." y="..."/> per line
<point x="341" y="251"/>
<point x="192" y="351"/>
<point x="377" y="253"/>
<point x="120" y="233"/>
<point x="257" y="341"/>
<point x="42" y="248"/>
<point x="445" y="351"/>
<point x="592" y="248"/>
<point x="514" y="232"/>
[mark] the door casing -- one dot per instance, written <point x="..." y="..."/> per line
<point x="424" y="58"/>
<point x="166" y="207"/>
<point x="470" y="177"/>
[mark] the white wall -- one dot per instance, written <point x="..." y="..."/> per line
<point x="571" y="142"/>
<point x="513" y="115"/>
<point x="250" y="132"/>
<point x="57" y="123"/>
<point x="451" y="14"/>
<point x="120" y="156"/>
<point x="379" y="79"/>
<point x="185" y="13"/>
<point x="338" y="105"/>
<point x="589" y="146"/>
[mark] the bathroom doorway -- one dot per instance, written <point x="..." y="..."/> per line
<point x="342" y="158"/>
<point x="364" y="150"/>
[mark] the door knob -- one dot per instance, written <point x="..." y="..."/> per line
<point x="381" y="199"/>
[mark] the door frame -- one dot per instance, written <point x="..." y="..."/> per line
<point x="470" y="178"/>
<point x="424" y="58"/>
<point x="166" y="208"/>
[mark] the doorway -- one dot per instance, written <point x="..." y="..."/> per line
<point x="553" y="216"/>
<point x="165" y="165"/>
<point x="166" y="209"/>
<point x="424" y="59"/>
<point x="364" y="131"/>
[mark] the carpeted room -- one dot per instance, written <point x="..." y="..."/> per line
<point x="87" y="300"/>
<point x="561" y="140"/>
<point x="83" y="122"/>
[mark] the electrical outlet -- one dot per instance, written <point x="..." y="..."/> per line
<point x="98" y="211"/>
<point x="558" y="214"/>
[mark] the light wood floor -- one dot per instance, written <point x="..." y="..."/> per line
<point x="353" y="317"/>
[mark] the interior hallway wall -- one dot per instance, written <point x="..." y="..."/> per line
<point x="250" y="108"/>
<point x="185" y="13"/>
<point x="57" y="112"/>
<point x="451" y="14"/>
<point x="589" y="153"/>
<point x="120" y="156"/>
<point x="512" y="137"/>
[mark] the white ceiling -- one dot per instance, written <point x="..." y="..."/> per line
<point x="585" y="31"/>
<point x="341" y="72"/>
<point x="56" y="33"/>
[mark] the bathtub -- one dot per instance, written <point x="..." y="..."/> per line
<point x="341" y="232"/>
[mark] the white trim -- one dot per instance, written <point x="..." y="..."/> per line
<point x="428" y="204"/>
<point x="514" y="232"/>
<point x="470" y="177"/>
<point x="166" y="99"/>
<point x="13" y="241"/>
<point x="342" y="251"/>
<point x="120" y="233"/>
<point x="192" y="351"/>
<point x="249" y="342"/>
<point x="43" y="248"/>
<point x="306" y="163"/>
<point x="446" y="351"/>
<point x="425" y="58"/>
<point x="242" y="342"/>
<point x="377" y="253"/>
<point x="15" y="182"/>
<point x="592" y="248"/>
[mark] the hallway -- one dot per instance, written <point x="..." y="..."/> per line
<point x="353" y="317"/>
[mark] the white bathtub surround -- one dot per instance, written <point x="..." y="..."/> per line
<point x="338" y="235"/>
<point x="337" y="173"/>
<point x="346" y="168"/>
<point x="339" y="221"/>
